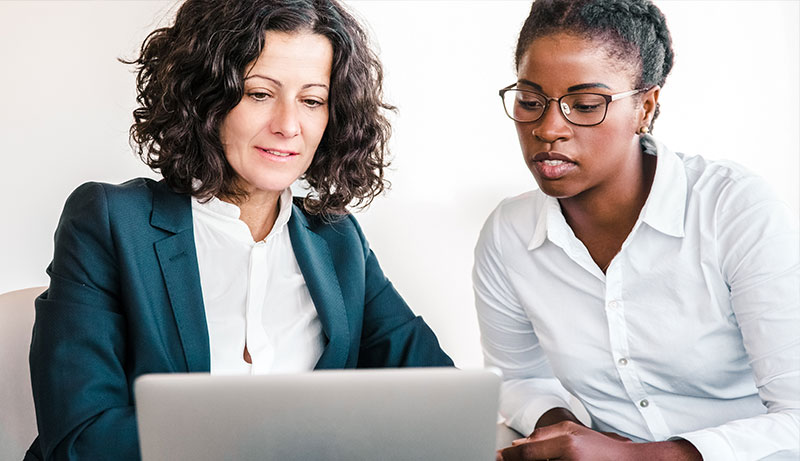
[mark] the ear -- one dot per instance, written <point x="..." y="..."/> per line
<point x="649" y="105"/>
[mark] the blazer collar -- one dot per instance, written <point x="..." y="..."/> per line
<point x="316" y="264"/>
<point x="171" y="212"/>
<point x="177" y="257"/>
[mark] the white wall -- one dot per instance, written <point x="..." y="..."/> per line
<point x="65" y="105"/>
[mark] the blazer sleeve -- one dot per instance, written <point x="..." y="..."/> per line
<point x="392" y="335"/>
<point x="84" y="406"/>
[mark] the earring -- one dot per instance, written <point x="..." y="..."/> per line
<point x="644" y="130"/>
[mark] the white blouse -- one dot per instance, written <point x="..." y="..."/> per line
<point x="254" y="294"/>
<point x="692" y="332"/>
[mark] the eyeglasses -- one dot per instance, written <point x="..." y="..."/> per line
<point x="582" y="109"/>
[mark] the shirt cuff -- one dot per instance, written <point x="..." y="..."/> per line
<point x="524" y="420"/>
<point x="712" y="446"/>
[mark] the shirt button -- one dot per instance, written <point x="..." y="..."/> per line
<point x="613" y="305"/>
<point x="644" y="403"/>
<point x="622" y="362"/>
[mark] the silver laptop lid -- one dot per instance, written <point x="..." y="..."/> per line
<point x="389" y="414"/>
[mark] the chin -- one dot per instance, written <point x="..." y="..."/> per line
<point x="554" y="189"/>
<point x="555" y="194"/>
<point x="271" y="185"/>
<point x="272" y="188"/>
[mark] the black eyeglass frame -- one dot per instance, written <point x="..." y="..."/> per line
<point x="608" y="97"/>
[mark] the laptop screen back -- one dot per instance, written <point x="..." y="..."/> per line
<point x="390" y="414"/>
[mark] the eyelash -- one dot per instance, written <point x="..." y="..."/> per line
<point x="313" y="103"/>
<point x="260" y="96"/>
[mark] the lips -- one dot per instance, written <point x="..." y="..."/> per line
<point x="276" y="153"/>
<point x="552" y="165"/>
<point x="541" y="156"/>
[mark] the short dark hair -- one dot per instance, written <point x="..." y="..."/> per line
<point x="191" y="75"/>
<point x="635" y="30"/>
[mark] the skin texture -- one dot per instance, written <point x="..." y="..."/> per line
<point x="601" y="188"/>
<point x="284" y="109"/>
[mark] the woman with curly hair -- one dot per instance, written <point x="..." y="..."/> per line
<point x="217" y="268"/>
<point x="660" y="289"/>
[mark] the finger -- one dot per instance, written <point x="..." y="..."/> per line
<point x="535" y="450"/>
<point x="516" y="442"/>
<point x="508" y="454"/>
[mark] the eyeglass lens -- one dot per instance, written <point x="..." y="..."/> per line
<point x="578" y="108"/>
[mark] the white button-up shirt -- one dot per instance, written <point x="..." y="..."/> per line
<point x="692" y="332"/>
<point x="254" y="294"/>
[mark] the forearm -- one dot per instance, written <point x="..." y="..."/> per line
<point x="757" y="437"/>
<point x="408" y="344"/>
<point x="673" y="450"/>
<point x="111" y="435"/>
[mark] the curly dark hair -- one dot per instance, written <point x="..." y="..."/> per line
<point x="191" y="75"/>
<point x="635" y="31"/>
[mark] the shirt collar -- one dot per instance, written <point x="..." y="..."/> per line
<point x="227" y="214"/>
<point x="284" y="212"/>
<point x="665" y="207"/>
<point x="663" y="210"/>
<point x="548" y="216"/>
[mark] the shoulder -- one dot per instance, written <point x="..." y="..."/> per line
<point x="704" y="172"/>
<point x="96" y="218"/>
<point x="132" y="204"/>
<point x="137" y="190"/>
<point x="738" y="210"/>
<point x="341" y="230"/>
<point x="516" y="216"/>
<point x="522" y="206"/>
<point x="726" y="186"/>
<point x="322" y="223"/>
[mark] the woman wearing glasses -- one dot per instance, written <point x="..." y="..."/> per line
<point x="660" y="289"/>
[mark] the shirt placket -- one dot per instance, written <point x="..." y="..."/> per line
<point x="261" y="353"/>
<point x="626" y="367"/>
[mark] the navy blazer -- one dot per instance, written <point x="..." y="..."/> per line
<point x="125" y="299"/>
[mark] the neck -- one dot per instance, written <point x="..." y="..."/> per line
<point x="614" y="206"/>
<point x="259" y="211"/>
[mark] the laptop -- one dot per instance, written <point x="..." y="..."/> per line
<point x="386" y="414"/>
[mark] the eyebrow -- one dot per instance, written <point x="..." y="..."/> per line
<point x="586" y="86"/>
<point x="535" y="86"/>
<point x="582" y="86"/>
<point x="277" y="82"/>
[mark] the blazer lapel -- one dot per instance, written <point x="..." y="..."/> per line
<point x="177" y="257"/>
<point x="316" y="264"/>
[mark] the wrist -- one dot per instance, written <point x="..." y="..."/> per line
<point x="671" y="450"/>
<point x="555" y="416"/>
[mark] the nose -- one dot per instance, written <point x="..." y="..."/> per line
<point x="285" y="119"/>
<point x="553" y="126"/>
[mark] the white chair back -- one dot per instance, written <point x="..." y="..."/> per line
<point x="17" y="416"/>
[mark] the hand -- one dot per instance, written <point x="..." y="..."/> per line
<point x="568" y="440"/>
